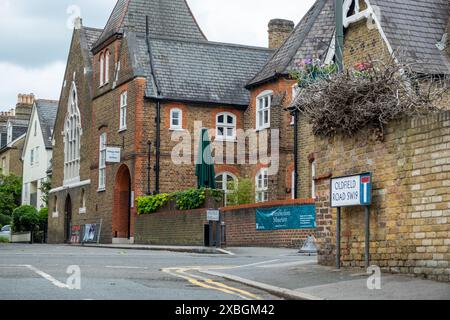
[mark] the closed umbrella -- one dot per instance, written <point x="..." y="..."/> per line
<point x="206" y="177"/>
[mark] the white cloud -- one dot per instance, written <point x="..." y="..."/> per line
<point x="45" y="82"/>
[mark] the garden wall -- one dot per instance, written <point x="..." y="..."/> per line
<point x="410" y="215"/>
<point x="186" y="228"/>
<point x="241" y="230"/>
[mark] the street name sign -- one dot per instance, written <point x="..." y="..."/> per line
<point x="351" y="191"/>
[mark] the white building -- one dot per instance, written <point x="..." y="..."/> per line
<point x="37" y="151"/>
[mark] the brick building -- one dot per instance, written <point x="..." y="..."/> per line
<point x="13" y="129"/>
<point x="409" y="223"/>
<point x="141" y="84"/>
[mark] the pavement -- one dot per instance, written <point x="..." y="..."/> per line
<point x="154" y="273"/>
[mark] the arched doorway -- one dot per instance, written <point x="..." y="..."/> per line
<point x="67" y="219"/>
<point x="121" y="220"/>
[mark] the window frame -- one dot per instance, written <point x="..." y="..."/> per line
<point x="178" y="127"/>
<point x="103" y="140"/>
<point x="313" y="178"/>
<point x="225" y="125"/>
<point x="261" y="111"/>
<point x="72" y="139"/>
<point x="102" y="69"/>
<point x="295" y="93"/>
<point x="107" y="56"/>
<point x="263" y="175"/>
<point x="225" y="174"/>
<point x="123" y="109"/>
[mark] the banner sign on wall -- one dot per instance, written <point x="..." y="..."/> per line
<point x="113" y="155"/>
<point x="75" y="234"/>
<point x="286" y="218"/>
<point x="91" y="233"/>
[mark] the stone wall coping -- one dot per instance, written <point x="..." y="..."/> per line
<point x="278" y="203"/>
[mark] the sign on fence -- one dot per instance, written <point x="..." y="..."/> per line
<point x="351" y="191"/>
<point x="213" y="215"/>
<point x="286" y="218"/>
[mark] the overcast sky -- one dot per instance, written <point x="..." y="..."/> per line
<point x="35" y="35"/>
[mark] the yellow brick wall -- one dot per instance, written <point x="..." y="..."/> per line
<point x="410" y="219"/>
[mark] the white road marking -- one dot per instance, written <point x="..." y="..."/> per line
<point x="245" y="265"/>
<point x="286" y="264"/>
<point x="48" y="277"/>
<point x="41" y="273"/>
<point x="126" y="267"/>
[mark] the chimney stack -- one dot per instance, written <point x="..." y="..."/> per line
<point x="279" y="30"/>
<point x="24" y="106"/>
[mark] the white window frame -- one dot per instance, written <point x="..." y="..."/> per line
<point x="72" y="139"/>
<point x="295" y="92"/>
<point x="102" y="162"/>
<point x="226" y="126"/>
<point x="123" y="110"/>
<point x="9" y="133"/>
<point x="35" y="128"/>
<point x="180" y="119"/>
<point x="102" y="69"/>
<point x="224" y="186"/>
<point x="293" y="186"/>
<point x="313" y="179"/>
<point x="107" y="58"/>
<point x="263" y="106"/>
<point x="262" y="186"/>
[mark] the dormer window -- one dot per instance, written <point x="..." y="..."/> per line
<point x="263" y="105"/>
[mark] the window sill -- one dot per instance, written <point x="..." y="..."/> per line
<point x="262" y="129"/>
<point x="177" y="129"/>
<point x="232" y="140"/>
<point x="122" y="130"/>
<point x="100" y="190"/>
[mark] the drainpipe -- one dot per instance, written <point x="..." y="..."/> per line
<point x="158" y="110"/>
<point x="339" y="45"/>
<point x="296" y="149"/>
<point x="149" y="167"/>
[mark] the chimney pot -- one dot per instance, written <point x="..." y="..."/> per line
<point x="279" y="31"/>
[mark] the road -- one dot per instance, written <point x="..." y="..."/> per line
<point x="41" y="272"/>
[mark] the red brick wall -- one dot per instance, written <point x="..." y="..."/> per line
<point x="241" y="230"/>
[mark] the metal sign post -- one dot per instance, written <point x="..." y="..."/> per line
<point x="350" y="191"/>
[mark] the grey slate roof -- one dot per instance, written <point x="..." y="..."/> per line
<point x="311" y="37"/>
<point x="46" y="110"/>
<point x="200" y="71"/>
<point x="171" y="18"/>
<point x="413" y="27"/>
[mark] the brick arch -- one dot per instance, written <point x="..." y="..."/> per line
<point x="121" y="219"/>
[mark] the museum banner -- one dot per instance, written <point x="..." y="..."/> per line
<point x="286" y="218"/>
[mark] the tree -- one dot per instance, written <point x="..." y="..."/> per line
<point x="45" y="188"/>
<point x="10" y="193"/>
<point x="243" y="193"/>
<point x="25" y="218"/>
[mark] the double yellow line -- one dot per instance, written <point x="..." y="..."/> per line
<point x="208" y="283"/>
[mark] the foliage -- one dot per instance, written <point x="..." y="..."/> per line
<point x="190" y="199"/>
<point x="45" y="188"/>
<point x="151" y="204"/>
<point x="10" y="193"/>
<point x="311" y="71"/>
<point x="4" y="240"/>
<point x="185" y="200"/>
<point x="43" y="219"/>
<point x="243" y="193"/>
<point x="5" y="220"/>
<point x="25" y="218"/>
<point x="369" y="95"/>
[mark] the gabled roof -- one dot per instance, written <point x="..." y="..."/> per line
<point x="311" y="37"/>
<point x="46" y="111"/>
<point x="198" y="71"/>
<point x="167" y="18"/>
<point x="413" y="28"/>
